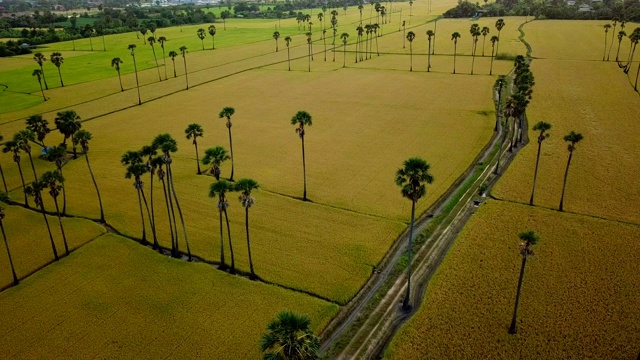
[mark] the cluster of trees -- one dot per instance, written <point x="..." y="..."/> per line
<point x="554" y="9"/>
<point x="37" y="128"/>
<point x="634" y="38"/>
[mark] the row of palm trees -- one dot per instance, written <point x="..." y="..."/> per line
<point x="56" y="59"/>
<point x="634" y="39"/>
<point x="202" y="34"/>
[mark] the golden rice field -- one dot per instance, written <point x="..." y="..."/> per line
<point x="575" y="90"/>
<point x="116" y="299"/>
<point x="579" y="295"/>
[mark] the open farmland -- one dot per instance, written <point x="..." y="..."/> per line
<point x="579" y="297"/>
<point x="115" y="299"/>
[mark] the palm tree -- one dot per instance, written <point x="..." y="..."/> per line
<point x="302" y="119"/>
<point x="201" y="35"/>
<point x="309" y="48"/>
<point x="136" y="169"/>
<point x="39" y="126"/>
<point x="375" y="28"/>
<point x="543" y="127"/>
<point x="53" y="180"/>
<point x="411" y="178"/>
<point x="212" y="32"/>
<point x="143" y="31"/>
<point x="220" y="189"/>
<point x="68" y="122"/>
<point x="35" y="190"/>
<point x="23" y="137"/>
<point x="410" y="36"/>
<point x="172" y="55"/>
<point x="82" y="138"/>
<point x="430" y="34"/>
<point x="183" y="51"/>
<point x="324" y="41"/>
<point x="360" y="31"/>
<point x="621" y="35"/>
<point x="360" y="8"/>
<point x="215" y="157"/>
<point x="162" y="40"/>
<point x="455" y="36"/>
<point x="572" y="138"/>
<point x="529" y="238"/>
<point x="289" y="336"/>
<point x="287" y="41"/>
<point x="132" y="48"/>
<point x="150" y="152"/>
<point x="276" y="36"/>
<point x="15" y="147"/>
<point x="115" y="63"/>
<point x="499" y="25"/>
<point x="57" y="60"/>
<point x="194" y="131"/>
<point x="152" y="40"/>
<point x="344" y="37"/>
<point x="613" y="34"/>
<point x="245" y="186"/>
<point x="404" y="29"/>
<point x="40" y="59"/>
<point x="39" y="74"/>
<point x="475" y="33"/>
<point x="485" y="31"/>
<point x="606" y="35"/>
<point x="227" y="112"/>
<point x="155" y="167"/>
<point x="494" y="40"/>
<point x="6" y="245"/>
<point x="57" y="155"/>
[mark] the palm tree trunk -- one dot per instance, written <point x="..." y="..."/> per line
<point x="151" y="222"/>
<point x="613" y="35"/>
<point x="324" y="40"/>
<point x="195" y="142"/>
<point x="628" y="66"/>
<point x="454" y="58"/>
<point x="4" y="181"/>
<point x="491" y="67"/>
<point x="60" y="74"/>
<point x="289" y="58"/>
<point x="164" y="61"/>
<point x="246" y="223"/>
<point x="604" y="55"/>
<point x="473" y="57"/>
<point x="377" y="49"/>
<point x="135" y="69"/>
<point x="512" y="328"/>
<point x="175" y="250"/>
<point x="484" y="41"/>
<point x="64" y="194"/>
<point x="166" y="200"/>
<point x="33" y="168"/>
<point x="95" y="184"/>
<point x="535" y="174"/>
<point x="564" y="183"/>
<point x="91" y="43"/>
<point x="42" y="91"/>
<point x="46" y="221"/>
<point x="186" y="77"/>
<point x="498" y="42"/>
<point x="64" y="237"/>
<point x="104" y="45"/>
<point x="174" y="68"/>
<point x="405" y="303"/>
<point x="120" y="79"/>
<point x="44" y="78"/>
<point x="13" y="270"/>
<point x="344" y="56"/>
<point x="635" y="87"/>
<point x="222" y="266"/>
<point x="334" y="47"/>
<point x="156" y="60"/>
<point x="144" y="229"/>
<point x="233" y="264"/>
<point x="304" y="172"/>
<point x="231" y="149"/>
<point x="411" y="55"/>
<point x="429" y="57"/>
<point x="26" y="201"/>
<point x="184" y="228"/>
<point x="618" y="52"/>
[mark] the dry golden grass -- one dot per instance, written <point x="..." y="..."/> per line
<point x="29" y="241"/>
<point x="116" y="299"/>
<point x="579" y="297"/>
<point x="591" y="97"/>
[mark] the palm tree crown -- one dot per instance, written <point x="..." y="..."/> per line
<point x="412" y="178"/>
<point x="302" y="119"/>
<point x="68" y="122"/>
<point x="39" y="126"/>
<point x="289" y="336"/>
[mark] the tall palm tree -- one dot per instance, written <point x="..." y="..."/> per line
<point x="287" y="41"/>
<point x="410" y="36"/>
<point x="245" y="186"/>
<point x="220" y="189"/>
<point x="4" y="181"/>
<point x="6" y="245"/>
<point x="494" y="40"/>
<point x="404" y="36"/>
<point x="528" y="238"/>
<point x="310" y="52"/>
<point x="302" y="119"/>
<point x="499" y="26"/>
<point x="606" y="36"/>
<point x="289" y="336"/>
<point x="35" y="190"/>
<point x="152" y="40"/>
<point x="367" y="29"/>
<point x="38" y="73"/>
<point x="572" y="138"/>
<point x="136" y="170"/>
<point x="613" y="34"/>
<point x="212" y="32"/>
<point x="430" y="34"/>
<point x="23" y="137"/>
<point x="57" y="60"/>
<point x="543" y="127"/>
<point x="57" y="155"/>
<point x="150" y="152"/>
<point x="276" y="36"/>
<point x="82" y="138"/>
<point x="40" y="126"/>
<point x="156" y="167"/>
<point x="485" y="31"/>
<point x="454" y="37"/>
<point x="183" y="51"/>
<point x="115" y="63"/>
<point x="132" y="48"/>
<point x="68" y="122"/>
<point x="360" y="31"/>
<point x="226" y="113"/>
<point x="172" y="55"/>
<point x="324" y="41"/>
<point x="53" y="180"/>
<point x="621" y="35"/>
<point x="411" y="178"/>
<point x="194" y="131"/>
<point x="40" y="59"/>
<point x="475" y="33"/>
<point x="375" y="28"/>
<point x="344" y="36"/>
<point x="15" y="147"/>
<point x="201" y="35"/>
<point x="161" y="41"/>
<point x="215" y="157"/>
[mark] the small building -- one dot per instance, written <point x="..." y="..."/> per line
<point x="584" y="8"/>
